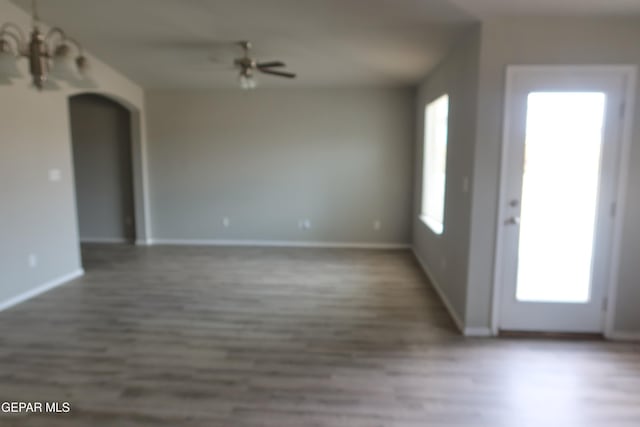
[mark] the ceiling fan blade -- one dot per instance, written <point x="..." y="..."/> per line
<point x="270" y="64"/>
<point x="277" y="73"/>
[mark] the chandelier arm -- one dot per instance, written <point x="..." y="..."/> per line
<point x="16" y="34"/>
<point x="8" y="35"/>
<point x="55" y="31"/>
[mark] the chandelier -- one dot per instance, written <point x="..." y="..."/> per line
<point x="51" y="55"/>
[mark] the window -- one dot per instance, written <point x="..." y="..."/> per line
<point x="434" y="170"/>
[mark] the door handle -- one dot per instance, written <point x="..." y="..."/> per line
<point x="514" y="220"/>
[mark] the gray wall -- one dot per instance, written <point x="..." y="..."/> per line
<point x="446" y="255"/>
<point x="38" y="215"/>
<point x="546" y="41"/>
<point x="265" y="159"/>
<point x="101" y="137"/>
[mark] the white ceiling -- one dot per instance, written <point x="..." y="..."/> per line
<point x="509" y="8"/>
<point x="186" y="43"/>
<point x="169" y="43"/>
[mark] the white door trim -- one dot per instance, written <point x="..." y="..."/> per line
<point x="630" y="74"/>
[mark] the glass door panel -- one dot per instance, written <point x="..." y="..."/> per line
<point x="563" y="147"/>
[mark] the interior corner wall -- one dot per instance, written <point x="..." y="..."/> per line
<point x="37" y="215"/>
<point x="266" y="159"/>
<point x="446" y="256"/>
<point x="546" y="41"/>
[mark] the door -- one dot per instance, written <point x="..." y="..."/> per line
<point x="563" y="131"/>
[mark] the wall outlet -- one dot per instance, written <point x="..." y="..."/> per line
<point x="377" y="225"/>
<point x="226" y="222"/>
<point x="304" y="224"/>
<point x="55" y="175"/>
<point x="32" y="260"/>
<point x="443" y="263"/>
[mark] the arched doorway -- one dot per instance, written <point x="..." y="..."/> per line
<point x="101" y="134"/>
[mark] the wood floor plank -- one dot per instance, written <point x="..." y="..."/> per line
<point x="181" y="336"/>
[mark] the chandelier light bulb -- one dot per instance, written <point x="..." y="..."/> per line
<point x="8" y="66"/>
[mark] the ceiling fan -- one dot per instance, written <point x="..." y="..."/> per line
<point x="248" y="67"/>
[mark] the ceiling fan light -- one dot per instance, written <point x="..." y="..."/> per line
<point x="247" y="82"/>
<point x="8" y="62"/>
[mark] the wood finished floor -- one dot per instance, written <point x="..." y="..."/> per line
<point x="244" y="337"/>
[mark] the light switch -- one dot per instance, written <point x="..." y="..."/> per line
<point x="55" y="175"/>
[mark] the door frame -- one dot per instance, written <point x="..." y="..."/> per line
<point x="629" y="73"/>
<point x="139" y="165"/>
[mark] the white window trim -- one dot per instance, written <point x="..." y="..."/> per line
<point x="433" y="225"/>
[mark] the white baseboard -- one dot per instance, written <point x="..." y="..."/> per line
<point x="477" y="332"/>
<point x="277" y="243"/>
<point x="624" y="336"/>
<point x="40" y="289"/>
<point x="452" y="312"/>
<point x="143" y="242"/>
<point x="113" y="240"/>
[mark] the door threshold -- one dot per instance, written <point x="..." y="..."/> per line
<point x="565" y="336"/>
